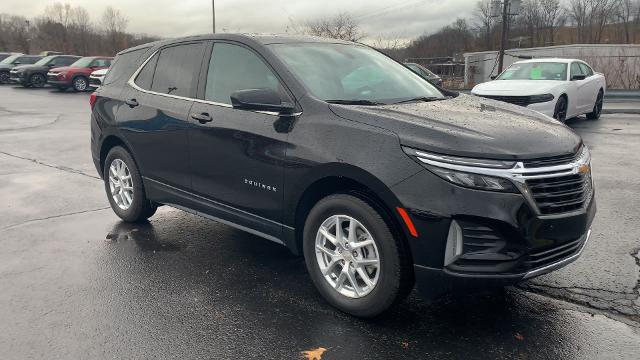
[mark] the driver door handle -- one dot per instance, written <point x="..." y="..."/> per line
<point x="202" y="118"/>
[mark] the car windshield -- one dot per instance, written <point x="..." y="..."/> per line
<point x="353" y="73"/>
<point x="44" y="61"/>
<point x="9" y="60"/>
<point x="535" y="71"/>
<point x="82" y="62"/>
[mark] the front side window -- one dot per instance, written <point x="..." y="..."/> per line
<point x="576" y="69"/>
<point x="177" y="70"/>
<point x="28" y="59"/>
<point x="233" y="68"/>
<point x="347" y="72"/>
<point x="586" y="69"/>
<point x="535" y="71"/>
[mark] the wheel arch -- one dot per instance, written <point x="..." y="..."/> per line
<point x="109" y="142"/>
<point x="345" y="179"/>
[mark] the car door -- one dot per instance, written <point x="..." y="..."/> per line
<point x="592" y="86"/>
<point x="237" y="155"/>
<point x="583" y="93"/>
<point x="153" y="115"/>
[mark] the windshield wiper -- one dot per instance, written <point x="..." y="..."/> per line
<point x="355" y="102"/>
<point x="421" y="98"/>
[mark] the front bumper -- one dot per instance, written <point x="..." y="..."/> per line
<point x="17" y="78"/>
<point x="548" y="108"/>
<point x="504" y="240"/>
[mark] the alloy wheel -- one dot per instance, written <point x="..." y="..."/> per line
<point x="120" y="184"/>
<point x="80" y="84"/>
<point x="37" y="80"/>
<point x="347" y="256"/>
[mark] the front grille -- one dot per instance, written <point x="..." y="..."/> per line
<point x="552" y="161"/>
<point x="561" y="194"/>
<point x="542" y="257"/>
<point x="516" y="100"/>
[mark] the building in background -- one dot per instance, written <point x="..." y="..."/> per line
<point x="619" y="63"/>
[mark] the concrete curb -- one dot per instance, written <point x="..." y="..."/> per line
<point x="621" y="111"/>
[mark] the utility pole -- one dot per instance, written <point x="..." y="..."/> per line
<point x="505" y="31"/>
<point x="213" y="15"/>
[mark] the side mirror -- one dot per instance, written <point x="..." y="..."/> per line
<point x="578" y="77"/>
<point x="260" y="100"/>
<point x="17" y="62"/>
<point x="493" y="77"/>
<point x="51" y="65"/>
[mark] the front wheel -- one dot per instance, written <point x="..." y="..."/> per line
<point x="80" y="84"/>
<point x="124" y="187"/>
<point x="560" y="112"/>
<point x="353" y="258"/>
<point x="37" y="80"/>
<point x="597" y="107"/>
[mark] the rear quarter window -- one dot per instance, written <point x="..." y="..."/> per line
<point x="123" y="67"/>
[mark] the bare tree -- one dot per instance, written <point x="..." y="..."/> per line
<point x="342" y="26"/>
<point x="625" y="13"/>
<point x="530" y="19"/>
<point x="484" y="22"/>
<point x="114" y="24"/>
<point x="551" y="16"/>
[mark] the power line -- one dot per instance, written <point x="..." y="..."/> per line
<point x="387" y="9"/>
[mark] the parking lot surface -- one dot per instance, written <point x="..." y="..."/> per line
<point x="75" y="282"/>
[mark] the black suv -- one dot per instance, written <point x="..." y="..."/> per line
<point x="35" y="75"/>
<point x="346" y="156"/>
<point x="12" y="61"/>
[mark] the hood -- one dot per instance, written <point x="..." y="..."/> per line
<point x="31" y="67"/>
<point x="61" y="69"/>
<point x="469" y="126"/>
<point x="516" y="87"/>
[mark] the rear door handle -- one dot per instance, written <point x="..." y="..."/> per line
<point x="202" y="118"/>
<point x="131" y="102"/>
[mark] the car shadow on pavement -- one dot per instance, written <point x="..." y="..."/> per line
<point x="196" y="269"/>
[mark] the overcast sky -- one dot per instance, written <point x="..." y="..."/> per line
<point x="171" y="18"/>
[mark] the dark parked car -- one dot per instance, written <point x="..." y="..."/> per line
<point x="12" y="61"/>
<point x="425" y="73"/>
<point x="347" y="157"/>
<point x="35" y="75"/>
<point x="77" y="74"/>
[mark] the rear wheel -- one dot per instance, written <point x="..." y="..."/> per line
<point x="80" y="83"/>
<point x="560" y="112"/>
<point x="124" y="187"/>
<point x="37" y="80"/>
<point x="355" y="262"/>
<point x="597" y="107"/>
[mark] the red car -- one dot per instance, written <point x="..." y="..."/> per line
<point x="77" y="74"/>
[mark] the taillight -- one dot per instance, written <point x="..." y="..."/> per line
<point x="92" y="99"/>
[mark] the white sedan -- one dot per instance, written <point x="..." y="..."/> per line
<point x="560" y="88"/>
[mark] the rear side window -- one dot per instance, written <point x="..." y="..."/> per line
<point x="234" y="68"/>
<point x="123" y="66"/>
<point x="28" y="59"/>
<point x="177" y="70"/>
<point x="64" y="61"/>
<point x="145" y="76"/>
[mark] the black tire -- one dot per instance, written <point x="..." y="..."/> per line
<point x="597" y="107"/>
<point x="396" y="277"/>
<point x="37" y="80"/>
<point x="140" y="208"/>
<point x="4" y="77"/>
<point x="560" y="111"/>
<point x="80" y="83"/>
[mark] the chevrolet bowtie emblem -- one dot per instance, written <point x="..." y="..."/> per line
<point x="583" y="169"/>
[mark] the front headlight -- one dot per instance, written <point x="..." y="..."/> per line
<point x="445" y="166"/>
<point x="541" y="98"/>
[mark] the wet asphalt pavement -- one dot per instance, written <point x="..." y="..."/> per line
<point x="77" y="283"/>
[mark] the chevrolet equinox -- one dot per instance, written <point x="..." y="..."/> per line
<point x="347" y="157"/>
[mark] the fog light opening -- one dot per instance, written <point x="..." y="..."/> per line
<point x="454" y="243"/>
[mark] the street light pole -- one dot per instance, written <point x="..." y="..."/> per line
<point x="213" y="15"/>
<point x="505" y="30"/>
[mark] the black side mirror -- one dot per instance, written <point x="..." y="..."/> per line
<point x="260" y="100"/>
<point x="493" y="77"/>
<point x="578" y="77"/>
<point x="17" y="62"/>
